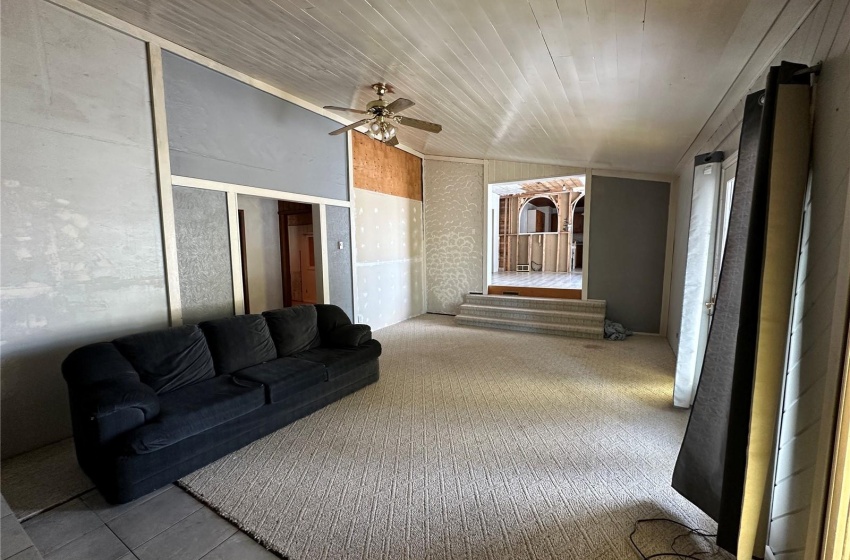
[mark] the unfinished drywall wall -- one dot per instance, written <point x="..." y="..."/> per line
<point x="454" y="215"/>
<point x="388" y="229"/>
<point x="225" y="130"/>
<point x="628" y="242"/>
<point x="81" y="244"/>
<point x="340" y="275"/>
<point x="203" y="254"/>
<point x="389" y="258"/>
<point x="262" y="244"/>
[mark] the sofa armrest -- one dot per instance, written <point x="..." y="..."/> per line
<point x="106" y="395"/>
<point x="348" y="336"/>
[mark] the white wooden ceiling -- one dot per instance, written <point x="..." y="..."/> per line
<point x="540" y="186"/>
<point x="626" y="84"/>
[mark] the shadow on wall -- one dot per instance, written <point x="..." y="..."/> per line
<point x="34" y="395"/>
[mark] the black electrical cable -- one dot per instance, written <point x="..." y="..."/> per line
<point x="672" y="554"/>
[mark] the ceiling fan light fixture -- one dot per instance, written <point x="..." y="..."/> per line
<point x="381" y="130"/>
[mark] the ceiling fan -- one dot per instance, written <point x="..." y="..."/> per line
<point x="383" y="117"/>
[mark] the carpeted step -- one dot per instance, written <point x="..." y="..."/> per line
<point x="578" y="331"/>
<point x="565" y="317"/>
<point x="576" y="318"/>
<point x="552" y="304"/>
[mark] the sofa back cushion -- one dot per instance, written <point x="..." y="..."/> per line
<point x="238" y="342"/>
<point x="329" y="317"/>
<point x="168" y="359"/>
<point x="293" y="329"/>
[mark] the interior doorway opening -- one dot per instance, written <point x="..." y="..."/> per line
<point x="538" y="237"/>
<point x="278" y="253"/>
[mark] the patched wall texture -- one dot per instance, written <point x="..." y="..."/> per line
<point x="389" y="257"/>
<point x="81" y="243"/>
<point x="454" y="216"/>
<point x="203" y="254"/>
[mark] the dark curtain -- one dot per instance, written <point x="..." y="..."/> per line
<point x="711" y="467"/>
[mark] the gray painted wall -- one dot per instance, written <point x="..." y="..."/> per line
<point x="339" y="260"/>
<point x="224" y="130"/>
<point x="262" y="243"/>
<point x="628" y="239"/>
<point x="81" y="245"/>
<point x="203" y="254"/>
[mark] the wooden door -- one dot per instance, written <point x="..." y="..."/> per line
<point x="306" y="248"/>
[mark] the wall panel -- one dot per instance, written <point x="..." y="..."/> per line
<point x="339" y="258"/>
<point x="81" y="247"/>
<point x="628" y="240"/>
<point x="203" y="254"/>
<point x="454" y="232"/>
<point x="225" y="130"/>
<point x="389" y="257"/>
<point x="382" y="168"/>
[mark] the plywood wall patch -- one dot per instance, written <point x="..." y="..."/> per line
<point x="384" y="169"/>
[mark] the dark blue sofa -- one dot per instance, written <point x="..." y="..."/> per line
<point x="150" y="408"/>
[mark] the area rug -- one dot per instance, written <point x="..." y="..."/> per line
<point x="474" y="444"/>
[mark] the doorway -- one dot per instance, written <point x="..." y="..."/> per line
<point x="277" y="252"/>
<point x="297" y="253"/>
<point x="540" y="225"/>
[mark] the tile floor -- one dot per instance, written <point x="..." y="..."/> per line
<point x="564" y="280"/>
<point x="168" y="524"/>
<point x="14" y="541"/>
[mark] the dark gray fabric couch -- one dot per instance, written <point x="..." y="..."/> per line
<point x="150" y="408"/>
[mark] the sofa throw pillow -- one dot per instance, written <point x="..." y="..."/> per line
<point x="293" y="329"/>
<point x="238" y="342"/>
<point x="168" y="359"/>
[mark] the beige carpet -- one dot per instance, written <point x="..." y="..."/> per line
<point x="475" y="444"/>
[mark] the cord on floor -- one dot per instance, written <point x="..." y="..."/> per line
<point x="673" y="552"/>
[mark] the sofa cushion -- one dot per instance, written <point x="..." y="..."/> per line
<point x="342" y="360"/>
<point x="195" y="408"/>
<point x="238" y="342"/>
<point x="168" y="359"/>
<point x="293" y="329"/>
<point x="284" y="377"/>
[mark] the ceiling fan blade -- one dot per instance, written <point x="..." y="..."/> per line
<point x="349" y="127"/>
<point x="421" y="125"/>
<point x="349" y="109"/>
<point x="392" y="141"/>
<point x="400" y="105"/>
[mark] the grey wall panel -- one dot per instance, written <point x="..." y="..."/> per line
<point x="203" y="254"/>
<point x="628" y="239"/>
<point x="339" y="260"/>
<point x="81" y="251"/>
<point x="224" y="130"/>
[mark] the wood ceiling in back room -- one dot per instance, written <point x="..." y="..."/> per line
<point x="625" y="84"/>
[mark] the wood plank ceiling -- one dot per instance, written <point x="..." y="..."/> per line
<point x="626" y="84"/>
